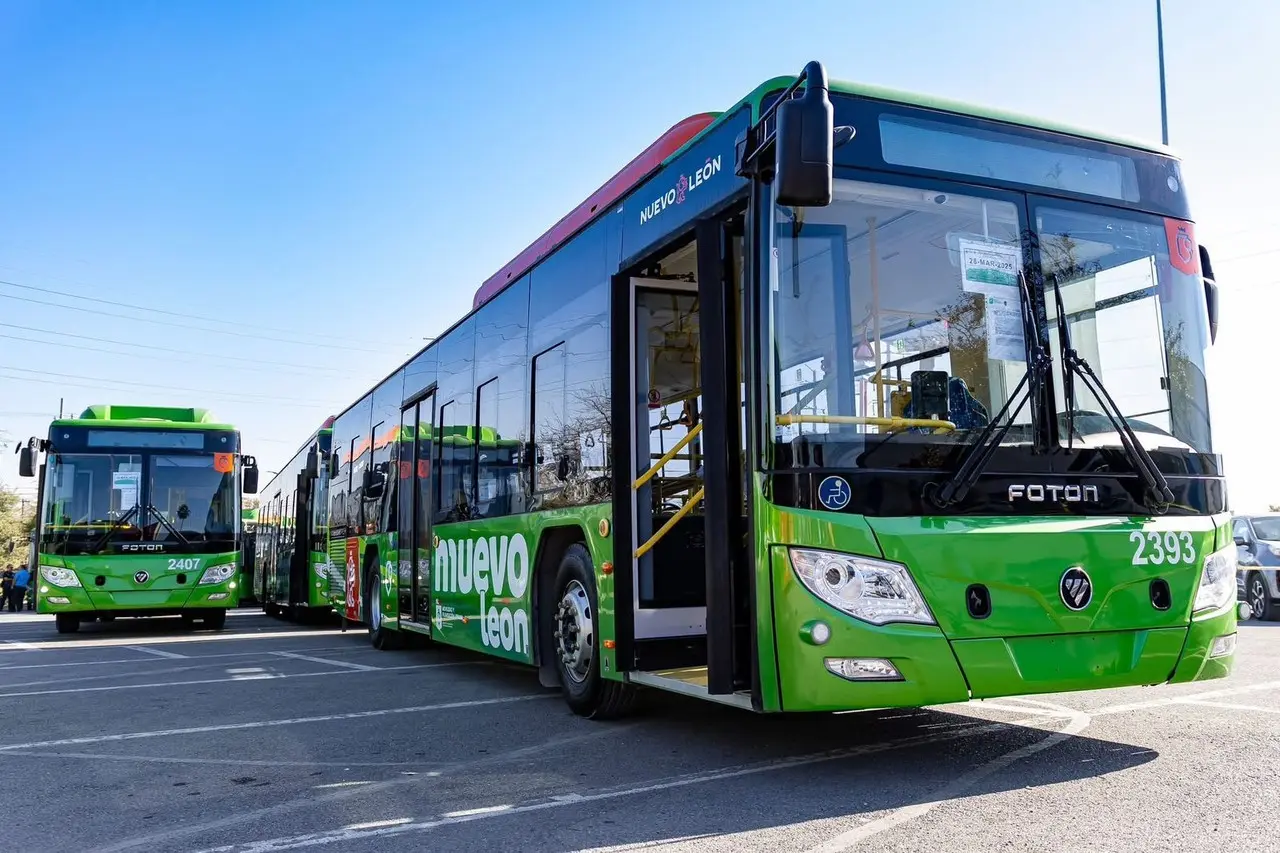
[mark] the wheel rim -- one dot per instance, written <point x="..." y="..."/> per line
<point x="1257" y="596"/>
<point x="375" y="607"/>
<point x="575" y="632"/>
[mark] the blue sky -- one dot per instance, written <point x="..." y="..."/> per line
<point x="313" y="187"/>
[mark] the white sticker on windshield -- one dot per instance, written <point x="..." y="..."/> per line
<point x="1004" y="330"/>
<point x="989" y="267"/>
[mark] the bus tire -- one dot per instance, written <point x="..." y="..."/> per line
<point x="214" y="620"/>
<point x="576" y="643"/>
<point x="381" y="637"/>
<point x="67" y="623"/>
<point x="1259" y="597"/>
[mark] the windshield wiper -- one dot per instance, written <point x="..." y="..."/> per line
<point x="1074" y="366"/>
<point x="984" y="446"/>
<point x="118" y="524"/>
<point x="168" y="525"/>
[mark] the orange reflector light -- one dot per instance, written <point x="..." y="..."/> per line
<point x="607" y="568"/>
<point x="610" y="644"/>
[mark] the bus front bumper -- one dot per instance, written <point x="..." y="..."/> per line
<point x="53" y="599"/>
<point x="862" y="666"/>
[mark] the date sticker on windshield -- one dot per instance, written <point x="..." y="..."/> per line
<point x="1183" y="254"/>
<point x="224" y="463"/>
<point x="834" y="493"/>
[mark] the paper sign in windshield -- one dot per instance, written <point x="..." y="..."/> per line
<point x="990" y="268"/>
<point x="1004" y="330"/>
<point x="127" y="483"/>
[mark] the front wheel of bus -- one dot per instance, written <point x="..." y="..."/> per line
<point x="215" y="620"/>
<point x="577" y="643"/>
<point x="67" y="623"/>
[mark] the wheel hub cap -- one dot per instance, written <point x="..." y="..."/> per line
<point x="575" y="632"/>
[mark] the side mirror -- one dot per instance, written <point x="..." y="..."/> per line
<point x="26" y="461"/>
<point x="1240" y="540"/>
<point x="249" y="476"/>
<point x="1210" y="293"/>
<point x="805" y="144"/>
<point x="312" y="471"/>
<point x="335" y="465"/>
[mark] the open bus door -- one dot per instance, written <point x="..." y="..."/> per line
<point x="682" y="510"/>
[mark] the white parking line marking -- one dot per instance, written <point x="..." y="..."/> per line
<point x="846" y="840"/>
<point x="316" y="839"/>
<point x="114" y="661"/>
<point x="1233" y="706"/>
<point x="1186" y="697"/>
<point x="160" y="653"/>
<point x="26" y="647"/>
<point x="255" y="676"/>
<point x="328" y="661"/>
<point x="262" y="724"/>
<point x="104" y="642"/>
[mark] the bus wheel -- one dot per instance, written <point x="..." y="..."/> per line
<point x="1260" y="598"/>
<point x="214" y="620"/>
<point x="577" y="645"/>
<point x="68" y="623"/>
<point x="380" y="636"/>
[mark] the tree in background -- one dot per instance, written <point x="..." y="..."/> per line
<point x="17" y="520"/>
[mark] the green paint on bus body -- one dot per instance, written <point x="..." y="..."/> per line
<point x="484" y="575"/>
<point x="172" y="583"/>
<point x="1030" y="643"/>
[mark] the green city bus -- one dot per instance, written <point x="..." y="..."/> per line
<point x="843" y="398"/>
<point x="291" y="571"/>
<point x="139" y="515"/>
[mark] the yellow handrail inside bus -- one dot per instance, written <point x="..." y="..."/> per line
<point x="671" y="522"/>
<point x="889" y="423"/>
<point x="667" y="457"/>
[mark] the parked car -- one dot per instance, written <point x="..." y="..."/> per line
<point x="1258" y="548"/>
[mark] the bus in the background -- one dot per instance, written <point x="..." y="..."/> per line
<point x="139" y="515"/>
<point x="291" y="567"/>
<point x="248" y="549"/>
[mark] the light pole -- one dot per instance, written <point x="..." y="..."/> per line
<point x="1164" y="104"/>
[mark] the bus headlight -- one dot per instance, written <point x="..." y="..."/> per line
<point x="874" y="591"/>
<point x="218" y="574"/>
<point x="1217" y="581"/>
<point x="58" y="576"/>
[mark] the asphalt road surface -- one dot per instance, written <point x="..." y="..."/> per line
<point x="270" y="736"/>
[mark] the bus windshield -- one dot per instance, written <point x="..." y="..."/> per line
<point x="191" y="500"/>
<point x="94" y="500"/>
<point x="894" y="309"/>
<point x="897" y="311"/>
<point x="1135" y="316"/>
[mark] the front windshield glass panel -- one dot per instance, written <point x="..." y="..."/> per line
<point x="86" y="494"/>
<point x="1267" y="528"/>
<point x="191" y="499"/>
<point x="895" y="311"/>
<point x="1138" y="319"/>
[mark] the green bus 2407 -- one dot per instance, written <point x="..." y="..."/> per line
<point x="842" y="398"/>
<point x="139" y="515"/>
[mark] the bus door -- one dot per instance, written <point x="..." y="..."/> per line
<point x="300" y="557"/>
<point x="691" y="611"/>
<point x="415" y="509"/>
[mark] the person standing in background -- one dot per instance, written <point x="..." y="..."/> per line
<point x="18" y="594"/>
<point x="6" y="586"/>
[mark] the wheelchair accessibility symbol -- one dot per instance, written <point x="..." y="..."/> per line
<point x="834" y="493"/>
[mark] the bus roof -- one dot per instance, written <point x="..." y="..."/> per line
<point x="135" y="417"/>
<point x="685" y="133"/>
